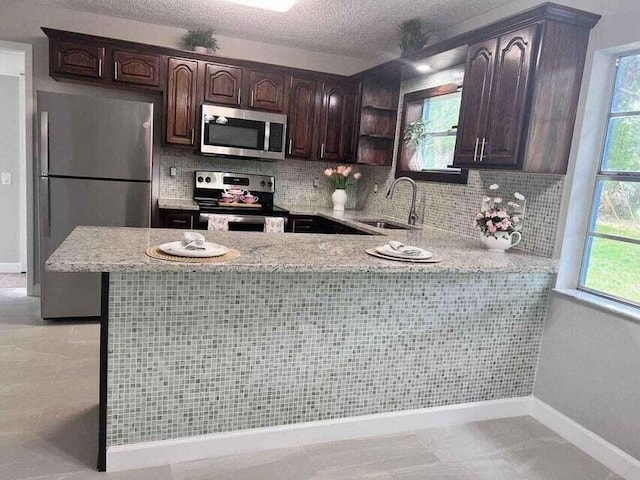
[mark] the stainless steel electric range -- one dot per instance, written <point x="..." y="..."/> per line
<point x="209" y="192"/>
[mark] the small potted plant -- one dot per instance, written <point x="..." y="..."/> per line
<point x="500" y="225"/>
<point x="412" y="38"/>
<point x="339" y="177"/>
<point x="201" y="40"/>
<point x="416" y="135"/>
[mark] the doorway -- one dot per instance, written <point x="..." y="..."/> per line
<point x="16" y="159"/>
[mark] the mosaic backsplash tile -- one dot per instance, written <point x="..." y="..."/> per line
<point x="190" y="356"/>
<point x="453" y="207"/>
<point x="294" y="178"/>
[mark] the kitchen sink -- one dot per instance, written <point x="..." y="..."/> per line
<point x="388" y="224"/>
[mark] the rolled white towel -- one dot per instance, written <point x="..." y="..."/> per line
<point x="193" y="241"/>
<point x="218" y="222"/>
<point x="274" y="225"/>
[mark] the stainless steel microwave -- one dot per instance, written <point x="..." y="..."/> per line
<point x="242" y="133"/>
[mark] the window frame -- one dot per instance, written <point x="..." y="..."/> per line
<point x="442" y="176"/>
<point x="601" y="176"/>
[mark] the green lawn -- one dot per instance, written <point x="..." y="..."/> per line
<point x="614" y="268"/>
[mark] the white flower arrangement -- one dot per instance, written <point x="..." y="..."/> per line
<point x="494" y="217"/>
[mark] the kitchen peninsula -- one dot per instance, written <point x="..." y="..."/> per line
<point x="301" y="328"/>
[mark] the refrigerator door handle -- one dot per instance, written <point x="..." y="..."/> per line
<point x="44" y="143"/>
<point x="45" y="208"/>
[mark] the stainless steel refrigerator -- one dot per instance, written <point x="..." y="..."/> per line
<point x="95" y="169"/>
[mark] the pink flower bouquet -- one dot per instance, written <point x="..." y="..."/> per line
<point x="340" y="175"/>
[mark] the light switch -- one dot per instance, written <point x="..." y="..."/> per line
<point x="173" y="171"/>
<point x="375" y="188"/>
<point x="6" y="178"/>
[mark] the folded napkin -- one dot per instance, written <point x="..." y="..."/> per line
<point x="274" y="225"/>
<point x="218" y="222"/>
<point x="193" y="241"/>
<point x="400" y="250"/>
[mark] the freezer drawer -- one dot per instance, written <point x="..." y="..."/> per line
<point x="95" y="137"/>
<point x="67" y="203"/>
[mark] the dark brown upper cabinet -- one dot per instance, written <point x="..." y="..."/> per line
<point x="475" y="101"/>
<point x="507" y="110"/>
<point x="180" y="101"/>
<point x="136" y="68"/>
<point x="266" y="91"/>
<point x="301" y="120"/>
<point x="78" y="59"/>
<point x="337" y="118"/>
<point x="223" y="84"/>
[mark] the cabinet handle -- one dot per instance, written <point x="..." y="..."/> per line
<point x="193" y="135"/>
<point x="239" y="95"/>
<point x="115" y="70"/>
<point x="482" y="148"/>
<point x="290" y="145"/>
<point x="322" y="151"/>
<point x="100" y="67"/>
<point x="475" y="152"/>
<point x="252" y="98"/>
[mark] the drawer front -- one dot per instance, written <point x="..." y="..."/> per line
<point x="175" y="219"/>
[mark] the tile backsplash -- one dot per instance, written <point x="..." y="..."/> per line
<point x="294" y="178"/>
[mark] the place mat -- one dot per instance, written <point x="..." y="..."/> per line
<point x="155" y="252"/>
<point x="433" y="259"/>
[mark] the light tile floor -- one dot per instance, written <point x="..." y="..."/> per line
<point x="13" y="280"/>
<point x="49" y="415"/>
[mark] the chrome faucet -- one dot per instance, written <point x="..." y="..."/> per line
<point x="413" y="216"/>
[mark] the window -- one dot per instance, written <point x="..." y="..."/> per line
<point x="428" y="135"/>
<point x="611" y="265"/>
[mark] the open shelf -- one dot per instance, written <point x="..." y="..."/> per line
<point x="377" y="137"/>
<point x="380" y="109"/>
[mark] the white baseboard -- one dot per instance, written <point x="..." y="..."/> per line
<point x="165" y="452"/>
<point x="150" y="454"/>
<point x="606" y="453"/>
<point x="10" y="268"/>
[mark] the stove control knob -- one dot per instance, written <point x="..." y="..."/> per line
<point x="270" y="184"/>
<point x="200" y="179"/>
<point x="262" y="183"/>
<point x="207" y="179"/>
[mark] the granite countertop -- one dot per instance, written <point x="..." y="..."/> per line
<point x="177" y="204"/>
<point x="121" y="249"/>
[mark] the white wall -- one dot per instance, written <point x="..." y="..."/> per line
<point x="11" y="113"/>
<point x="590" y="359"/>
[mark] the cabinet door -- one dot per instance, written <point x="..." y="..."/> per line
<point x="136" y="68"/>
<point x="222" y="84"/>
<point x="509" y="96"/>
<point x="181" y="101"/>
<point x="333" y="113"/>
<point x="301" y="119"/>
<point x="475" y="101"/>
<point x="350" y="125"/>
<point x="266" y="91"/>
<point x="178" y="219"/>
<point x="77" y="59"/>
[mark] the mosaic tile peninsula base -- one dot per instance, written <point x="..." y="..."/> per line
<point x="199" y="353"/>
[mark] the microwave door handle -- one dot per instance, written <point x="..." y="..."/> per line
<point x="267" y="134"/>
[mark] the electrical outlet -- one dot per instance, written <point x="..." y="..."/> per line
<point x="316" y="183"/>
<point x="6" y="178"/>
<point x="173" y="171"/>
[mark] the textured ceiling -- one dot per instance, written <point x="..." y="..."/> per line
<point x="358" y="28"/>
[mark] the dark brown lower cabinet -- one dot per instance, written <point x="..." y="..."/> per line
<point x="180" y="219"/>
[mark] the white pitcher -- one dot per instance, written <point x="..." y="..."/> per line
<point x="501" y="241"/>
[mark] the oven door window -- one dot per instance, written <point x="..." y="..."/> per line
<point x="235" y="133"/>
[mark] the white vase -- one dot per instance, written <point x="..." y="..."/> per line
<point x="339" y="199"/>
<point x="200" y="49"/>
<point x="500" y="242"/>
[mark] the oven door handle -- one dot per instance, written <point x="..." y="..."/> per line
<point x="246" y="219"/>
